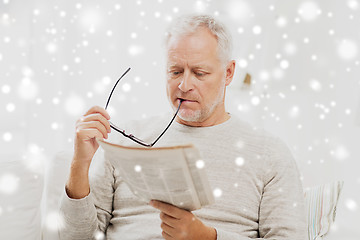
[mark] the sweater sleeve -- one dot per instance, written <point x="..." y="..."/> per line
<point x="89" y="217"/>
<point x="281" y="211"/>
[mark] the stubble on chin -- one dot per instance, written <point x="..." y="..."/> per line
<point x="194" y="116"/>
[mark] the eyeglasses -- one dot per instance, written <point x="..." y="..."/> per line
<point x="132" y="137"/>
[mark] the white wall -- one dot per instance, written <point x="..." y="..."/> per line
<point x="58" y="58"/>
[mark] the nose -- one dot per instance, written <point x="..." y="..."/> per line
<point x="186" y="83"/>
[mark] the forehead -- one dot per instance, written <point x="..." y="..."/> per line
<point x="196" y="48"/>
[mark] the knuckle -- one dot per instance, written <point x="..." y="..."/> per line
<point x="77" y="122"/>
<point x="80" y="120"/>
<point x="77" y="128"/>
<point x="92" y="110"/>
<point x="99" y="109"/>
<point x="98" y="124"/>
<point x="98" y="135"/>
<point x="78" y="133"/>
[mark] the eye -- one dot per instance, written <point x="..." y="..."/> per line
<point x="200" y="74"/>
<point x="175" y="73"/>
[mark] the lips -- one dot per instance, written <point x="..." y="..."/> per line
<point x="186" y="100"/>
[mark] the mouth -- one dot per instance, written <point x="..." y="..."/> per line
<point x="185" y="100"/>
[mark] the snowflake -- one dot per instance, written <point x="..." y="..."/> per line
<point x="137" y="168"/>
<point x="257" y="30"/>
<point x="347" y="49"/>
<point x="9" y="183"/>
<point x="27" y="89"/>
<point x="217" y="192"/>
<point x="351" y="204"/>
<point x="135" y="50"/>
<point x="239" y="161"/>
<point x="54" y="221"/>
<point x="74" y="105"/>
<point x="309" y="11"/>
<point x="200" y="164"/>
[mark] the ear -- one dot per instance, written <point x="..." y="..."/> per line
<point x="230" y="70"/>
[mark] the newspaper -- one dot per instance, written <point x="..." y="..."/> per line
<point x="174" y="175"/>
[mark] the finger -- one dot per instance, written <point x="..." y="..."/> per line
<point x="167" y="208"/>
<point x="98" y="109"/>
<point x="167" y="236"/>
<point x="169" y="220"/>
<point x="93" y="125"/>
<point x="89" y="133"/>
<point x="168" y="230"/>
<point x="96" y="117"/>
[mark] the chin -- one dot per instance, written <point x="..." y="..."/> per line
<point x="189" y="115"/>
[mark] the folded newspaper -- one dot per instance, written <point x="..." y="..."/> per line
<point x="174" y="175"/>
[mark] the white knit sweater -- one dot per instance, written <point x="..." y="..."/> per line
<point x="261" y="198"/>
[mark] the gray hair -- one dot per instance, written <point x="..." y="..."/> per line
<point x="188" y="24"/>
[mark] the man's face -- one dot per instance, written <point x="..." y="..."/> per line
<point x="196" y="75"/>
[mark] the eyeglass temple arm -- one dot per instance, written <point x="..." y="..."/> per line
<point x="152" y="144"/>
<point x="107" y="103"/>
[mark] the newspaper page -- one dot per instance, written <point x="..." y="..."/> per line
<point x="175" y="175"/>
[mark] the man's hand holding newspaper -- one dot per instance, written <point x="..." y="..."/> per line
<point x="174" y="175"/>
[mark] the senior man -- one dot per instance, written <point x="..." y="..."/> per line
<point x="261" y="192"/>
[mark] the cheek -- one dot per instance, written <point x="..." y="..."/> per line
<point x="210" y="92"/>
<point x="168" y="93"/>
<point x="169" y="89"/>
<point x="171" y="86"/>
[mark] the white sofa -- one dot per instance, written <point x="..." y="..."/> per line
<point x="29" y="202"/>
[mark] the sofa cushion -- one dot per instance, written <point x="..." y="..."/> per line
<point x="321" y="202"/>
<point x="20" y="197"/>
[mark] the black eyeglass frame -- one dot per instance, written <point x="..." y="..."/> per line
<point x="131" y="136"/>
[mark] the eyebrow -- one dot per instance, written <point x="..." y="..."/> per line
<point x="194" y="67"/>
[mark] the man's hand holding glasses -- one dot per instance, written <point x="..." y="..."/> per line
<point x="95" y="124"/>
